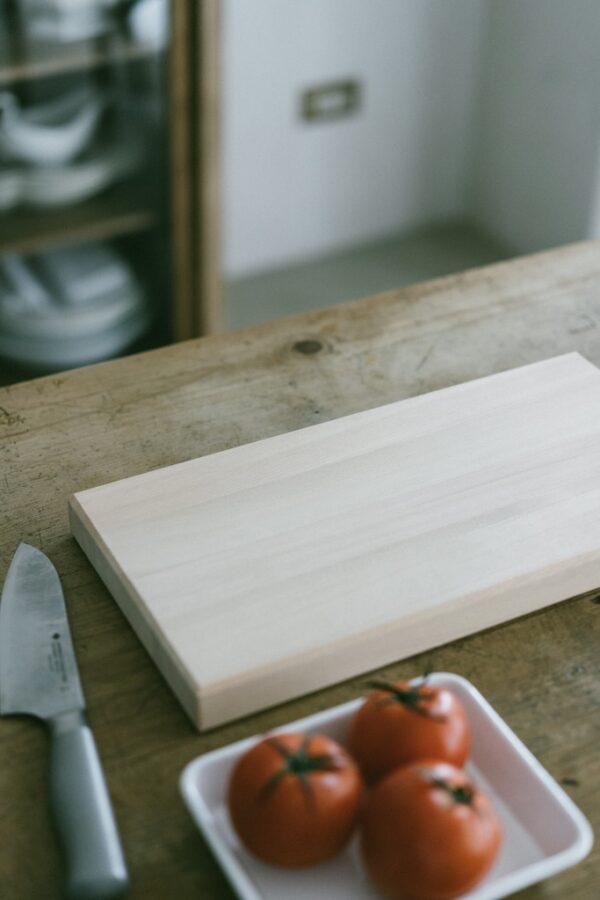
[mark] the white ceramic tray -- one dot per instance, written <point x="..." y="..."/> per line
<point x="544" y="832"/>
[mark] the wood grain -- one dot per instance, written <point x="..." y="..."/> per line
<point x="69" y="432"/>
<point x="270" y="570"/>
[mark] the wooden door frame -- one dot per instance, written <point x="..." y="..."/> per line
<point x="194" y="87"/>
<point x="211" y="314"/>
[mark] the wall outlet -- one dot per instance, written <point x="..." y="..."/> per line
<point x="334" y="100"/>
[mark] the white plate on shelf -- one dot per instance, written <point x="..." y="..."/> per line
<point x="61" y="185"/>
<point x="544" y="832"/>
<point x="49" y="133"/>
<point x="58" y="325"/>
<point x="66" y="20"/>
<point x="53" y="355"/>
<point x="149" y="23"/>
<point x="11" y="184"/>
<point x="78" y="293"/>
<point x="75" y="182"/>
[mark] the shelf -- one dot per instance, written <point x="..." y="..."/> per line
<point x="110" y="215"/>
<point x="59" y="59"/>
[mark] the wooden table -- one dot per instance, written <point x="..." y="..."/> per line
<point x="71" y="431"/>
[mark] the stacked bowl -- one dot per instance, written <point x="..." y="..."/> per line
<point x="69" y="308"/>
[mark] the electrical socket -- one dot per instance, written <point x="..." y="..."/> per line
<point x="331" y="101"/>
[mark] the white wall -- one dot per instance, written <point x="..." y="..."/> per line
<point x="537" y="158"/>
<point x="293" y="190"/>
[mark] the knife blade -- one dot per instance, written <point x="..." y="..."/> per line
<point x="39" y="677"/>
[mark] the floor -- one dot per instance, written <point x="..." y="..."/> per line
<point x="405" y="259"/>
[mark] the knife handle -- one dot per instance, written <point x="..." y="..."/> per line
<point x="83" y="812"/>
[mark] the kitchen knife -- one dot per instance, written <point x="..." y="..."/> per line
<point x="39" y="677"/>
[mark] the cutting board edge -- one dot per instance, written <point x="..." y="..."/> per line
<point x="124" y="594"/>
<point x="220" y="701"/>
<point x="210" y="705"/>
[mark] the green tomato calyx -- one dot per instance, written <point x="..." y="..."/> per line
<point x="300" y="763"/>
<point x="416" y="698"/>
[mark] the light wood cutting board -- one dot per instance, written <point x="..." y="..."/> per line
<point x="270" y="570"/>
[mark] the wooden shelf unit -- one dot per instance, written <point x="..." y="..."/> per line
<point x="184" y="221"/>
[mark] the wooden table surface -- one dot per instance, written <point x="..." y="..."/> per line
<point x="71" y="431"/>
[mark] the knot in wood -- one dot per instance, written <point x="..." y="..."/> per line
<point x="308" y="346"/>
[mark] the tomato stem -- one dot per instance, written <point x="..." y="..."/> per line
<point x="299" y="763"/>
<point x="462" y="793"/>
<point x="414" y="698"/>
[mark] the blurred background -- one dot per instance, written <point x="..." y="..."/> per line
<point x="85" y="267"/>
<point x="174" y="167"/>
<point x="475" y="135"/>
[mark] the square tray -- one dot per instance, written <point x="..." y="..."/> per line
<point x="544" y="832"/>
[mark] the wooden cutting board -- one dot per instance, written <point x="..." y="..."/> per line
<point x="272" y="569"/>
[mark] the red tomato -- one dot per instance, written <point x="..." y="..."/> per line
<point x="428" y="833"/>
<point x="294" y="799"/>
<point x="400" y="723"/>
